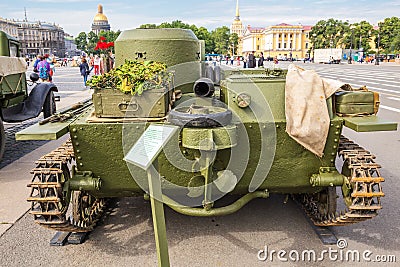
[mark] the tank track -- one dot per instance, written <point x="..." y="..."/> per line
<point x="364" y="184"/>
<point x="49" y="202"/>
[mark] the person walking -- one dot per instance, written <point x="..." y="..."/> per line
<point x="38" y="59"/>
<point x="261" y="60"/>
<point x="43" y="69"/>
<point x="84" y="69"/>
<point x="96" y="63"/>
<point x="245" y="59"/>
<point x="252" y="60"/>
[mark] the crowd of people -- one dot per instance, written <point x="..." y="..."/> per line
<point x="44" y="65"/>
<point x="249" y="60"/>
<point x="98" y="64"/>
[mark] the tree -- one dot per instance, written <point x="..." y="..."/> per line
<point x="203" y="34"/>
<point x="148" y="26"/>
<point x="92" y="42"/>
<point x="328" y="34"/>
<point x="234" y="42"/>
<point x="362" y="35"/>
<point x="81" y="41"/>
<point x="389" y="32"/>
<point x="221" y="39"/>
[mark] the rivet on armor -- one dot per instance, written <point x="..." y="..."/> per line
<point x="75" y="137"/>
<point x="77" y="143"/>
<point x="74" y="130"/>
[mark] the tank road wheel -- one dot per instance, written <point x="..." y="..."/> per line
<point x="85" y="210"/>
<point x="200" y="116"/>
<point x="50" y="195"/>
<point x="2" y="139"/>
<point x="49" y="106"/>
<point x="327" y="201"/>
<point x="362" y="190"/>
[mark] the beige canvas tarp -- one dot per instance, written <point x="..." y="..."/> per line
<point x="306" y="110"/>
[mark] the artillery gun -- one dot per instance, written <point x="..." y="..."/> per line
<point x="17" y="104"/>
<point x="229" y="136"/>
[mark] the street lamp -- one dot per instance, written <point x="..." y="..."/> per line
<point x="379" y="39"/>
<point x="314" y="36"/>
<point x="351" y="43"/>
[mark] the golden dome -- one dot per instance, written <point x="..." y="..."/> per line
<point x="100" y="16"/>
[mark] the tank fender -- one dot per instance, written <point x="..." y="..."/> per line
<point x="32" y="106"/>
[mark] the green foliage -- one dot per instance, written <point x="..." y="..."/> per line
<point x="81" y="41"/>
<point x="133" y="77"/>
<point x="389" y="31"/>
<point x="217" y="41"/>
<point x="87" y="42"/>
<point x="328" y="34"/>
<point x="221" y="39"/>
<point x="344" y="35"/>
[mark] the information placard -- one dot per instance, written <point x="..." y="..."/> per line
<point x="150" y="144"/>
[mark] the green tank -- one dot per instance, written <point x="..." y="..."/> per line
<point x="227" y="135"/>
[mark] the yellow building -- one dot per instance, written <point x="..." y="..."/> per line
<point x="237" y="25"/>
<point x="286" y="41"/>
<point x="282" y="40"/>
<point x="253" y="40"/>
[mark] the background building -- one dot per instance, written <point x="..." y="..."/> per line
<point x="37" y="38"/>
<point x="9" y="26"/>
<point x="237" y="27"/>
<point x="286" y="41"/>
<point x="283" y="41"/>
<point x="253" y="40"/>
<point x="71" y="48"/>
<point x="100" y="21"/>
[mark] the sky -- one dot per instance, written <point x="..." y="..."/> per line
<point x="75" y="16"/>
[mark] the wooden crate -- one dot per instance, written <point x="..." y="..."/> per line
<point x="112" y="103"/>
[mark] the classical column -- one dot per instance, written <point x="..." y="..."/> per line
<point x="295" y="41"/>
<point x="283" y="40"/>
<point x="299" y="43"/>
<point x="276" y="41"/>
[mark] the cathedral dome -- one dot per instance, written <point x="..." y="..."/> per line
<point x="100" y="17"/>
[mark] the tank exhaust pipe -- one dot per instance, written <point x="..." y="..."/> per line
<point x="204" y="87"/>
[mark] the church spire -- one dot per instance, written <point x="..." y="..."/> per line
<point x="237" y="17"/>
<point x="26" y="17"/>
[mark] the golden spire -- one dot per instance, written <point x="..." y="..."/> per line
<point x="100" y="9"/>
<point x="237" y="17"/>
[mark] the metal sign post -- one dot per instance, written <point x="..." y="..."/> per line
<point x="144" y="154"/>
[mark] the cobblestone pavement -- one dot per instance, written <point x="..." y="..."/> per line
<point x="17" y="149"/>
<point x="69" y="83"/>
